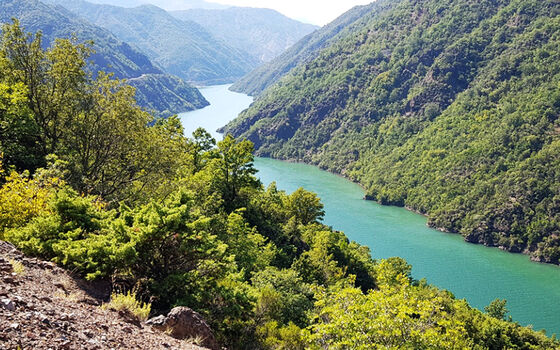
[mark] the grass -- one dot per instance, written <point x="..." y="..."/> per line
<point x="128" y="302"/>
<point x="18" y="267"/>
<point x="73" y="297"/>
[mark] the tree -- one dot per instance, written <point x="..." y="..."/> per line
<point x="304" y="206"/>
<point x="497" y="309"/>
<point x="94" y="125"/>
<point x="56" y="80"/>
<point x="202" y="143"/>
<point x="234" y="170"/>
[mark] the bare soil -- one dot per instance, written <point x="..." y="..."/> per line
<point x="45" y="307"/>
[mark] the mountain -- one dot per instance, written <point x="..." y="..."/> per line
<point x="111" y="54"/>
<point x="263" y="33"/>
<point x="304" y="50"/>
<point x="170" y="5"/>
<point x="447" y="107"/>
<point x="166" y="90"/>
<point x="182" y="48"/>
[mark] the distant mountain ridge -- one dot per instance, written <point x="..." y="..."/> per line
<point x="305" y="50"/>
<point x="263" y="33"/>
<point x="170" y="5"/>
<point x="111" y="54"/>
<point x="182" y="48"/>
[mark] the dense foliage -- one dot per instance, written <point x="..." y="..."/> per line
<point x="182" y="48"/>
<point x="263" y="33"/>
<point x="184" y="221"/>
<point x="155" y="90"/>
<point x="166" y="94"/>
<point x="448" y="107"/>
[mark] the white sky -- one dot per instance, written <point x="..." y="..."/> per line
<point x="318" y="12"/>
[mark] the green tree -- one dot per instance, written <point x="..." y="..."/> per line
<point x="234" y="170"/>
<point x="304" y="206"/>
<point x="497" y="309"/>
<point x="56" y="80"/>
<point x="202" y="143"/>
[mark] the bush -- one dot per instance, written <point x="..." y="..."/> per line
<point x="128" y="303"/>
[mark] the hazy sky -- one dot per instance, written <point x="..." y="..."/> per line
<point x="318" y="12"/>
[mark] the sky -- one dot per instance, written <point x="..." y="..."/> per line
<point x="319" y="12"/>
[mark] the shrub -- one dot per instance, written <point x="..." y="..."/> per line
<point x="128" y="303"/>
<point x="18" y="267"/>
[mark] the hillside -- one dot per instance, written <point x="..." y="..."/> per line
<point x="449" y="108"/>
<point x="53" y="309"/>
<point x="91" y="183"/>
<point x="153" y="91"/>
<point x="111" y="54"/>
<point x="263" y="33"/>
<point x="182" y="48"/>
<point x="305" y="50"/>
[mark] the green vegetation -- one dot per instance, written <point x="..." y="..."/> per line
<point x="128" y="302"/>
<point x="18" y="267"/>
<point x="166" y="94"/>
<point x="304" y="50"/>
<point x="181" y="48"/>
<point x="183" y="221"/>
<point x="154" y="89"/>
<point x="447" y="107"/>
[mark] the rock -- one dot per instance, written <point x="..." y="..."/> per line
<point x="7" y="304"/>
<point x="67" y="317"/>
<point x="182" y="323"/>
<point x="157" y="322"/>
<point x="9" y="279"/>
<point x="5" y="266"/>
<point x="60" y="285"/>
<point x="130" y="318"/>
<point x="43" y="318"/>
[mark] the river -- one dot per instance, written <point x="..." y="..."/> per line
<point x="477" y="273"/>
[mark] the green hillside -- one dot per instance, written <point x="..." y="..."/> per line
<point x="111" y="54"/>
<point x="182" y="48"/>
<point x="156" y="219"/>
<point x="156" y="90"/>
<point x="447" y="107"/>
<point x="305" y="50"/>
<point x="263" y="33"/>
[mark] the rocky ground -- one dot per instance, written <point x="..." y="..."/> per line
<point x="43" y="307"/>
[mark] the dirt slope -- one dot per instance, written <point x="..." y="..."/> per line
<point x="43" y="307"/>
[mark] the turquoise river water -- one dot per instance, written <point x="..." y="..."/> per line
<point x="477" y="273"/>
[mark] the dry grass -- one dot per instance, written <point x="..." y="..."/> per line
<point x="73" y="297"/>
<point x="128" y="302"/>
<point x="18" y="267"/>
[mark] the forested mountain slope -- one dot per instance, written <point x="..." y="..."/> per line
<point x="448" y="107"/>
<point x="92" y="183"/>
<point x="182" y="48"/>
<point x="111" y="54"/>
<point x="263" y="33"/>
<point x="306" y="49"/>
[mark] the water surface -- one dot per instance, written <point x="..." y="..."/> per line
<point x="476" y="273"/>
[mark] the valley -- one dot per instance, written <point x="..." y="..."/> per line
<point x="238" y="179"/>
<point x="477" y="273"/>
